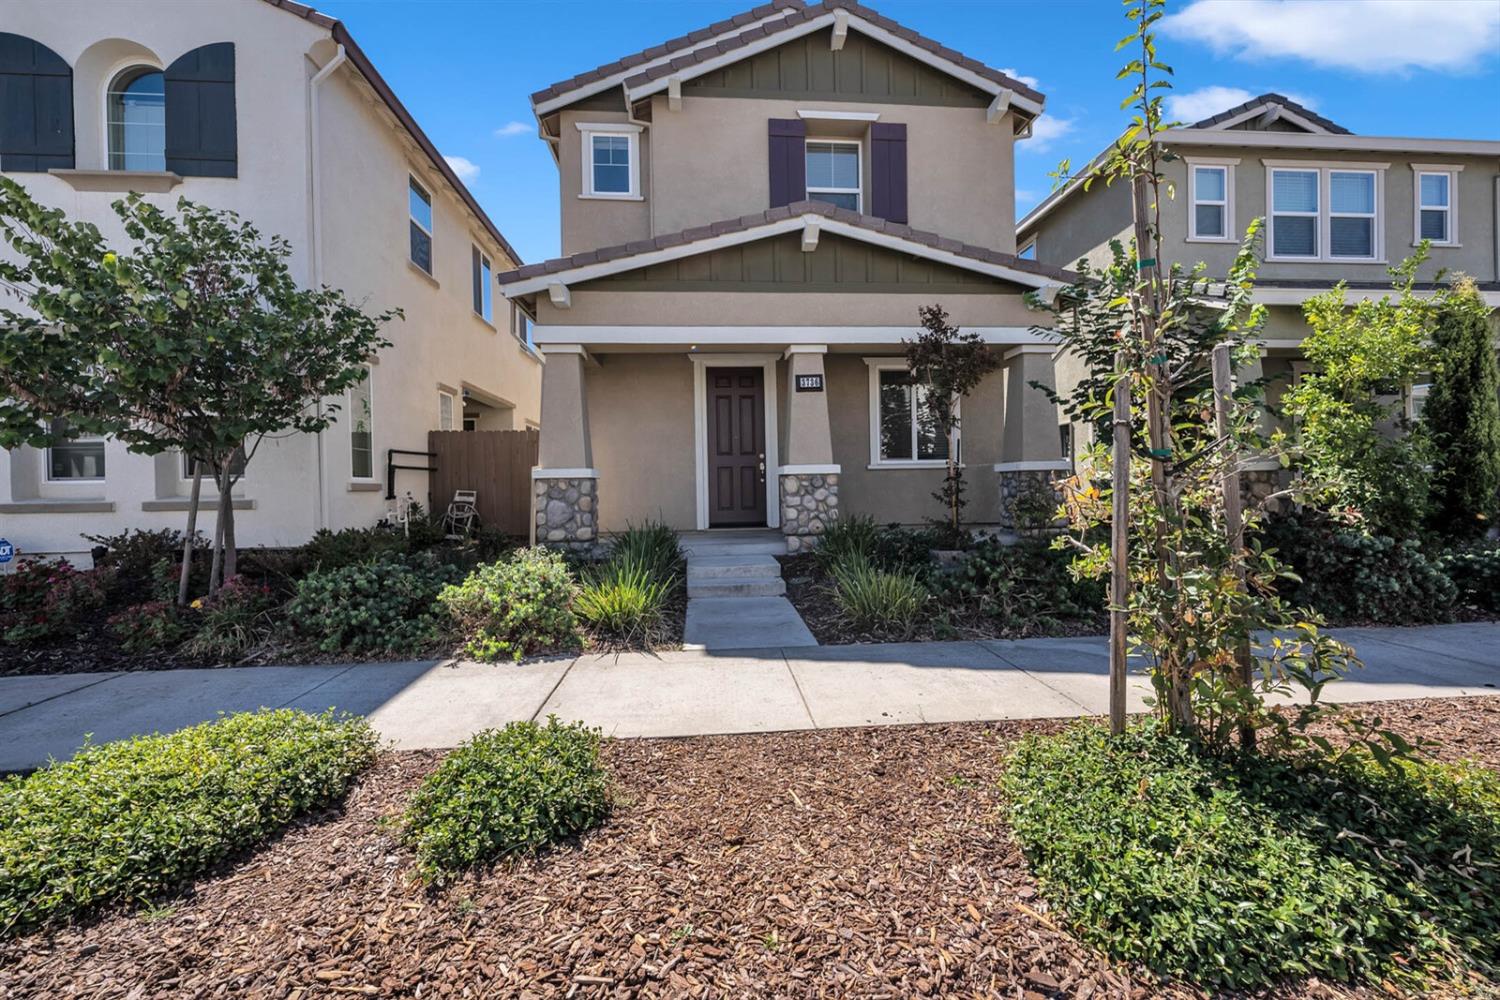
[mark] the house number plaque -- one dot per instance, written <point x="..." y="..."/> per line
<point x="809" y="383"/>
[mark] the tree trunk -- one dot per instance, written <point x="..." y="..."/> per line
<point x="185" y="577"/>
<point x="214" y="577"/>
<point x="1234" y="517"/>
<point x="1119" y="545"/>
<point x="231" y="552"/>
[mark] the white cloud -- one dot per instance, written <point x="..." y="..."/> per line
<point x="1370" y="36"/>
<point x="1044" y="132"/>
<point x="512" y="128"/>
<point x="466" y="169"/>
<point x="1016" y="74"/>
<point x="1195" y="105"/>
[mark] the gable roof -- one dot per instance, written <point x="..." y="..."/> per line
<point x="1278" y="105"/>
<point x="388" y="96"/>
<point x="767" y="27"/>
<point x="818" y="215"/>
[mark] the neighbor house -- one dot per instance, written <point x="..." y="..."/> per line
<point x="1337" y="207"/>
<point x="270" y="109"/>
<point x="752" y="215"/>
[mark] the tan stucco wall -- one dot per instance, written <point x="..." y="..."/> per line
<point x="709" y="161"/>
<point x="641" y="424"/>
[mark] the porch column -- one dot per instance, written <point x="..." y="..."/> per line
<point x="1031" y="458"/>
<point x="1259" y="476"/>
<point x="565" y="494"/>
<point x="809" y="480"/>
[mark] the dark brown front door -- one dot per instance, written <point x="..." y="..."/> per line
<point x="736" y="447"/>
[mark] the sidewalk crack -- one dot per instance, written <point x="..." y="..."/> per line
<point x="61" y="694"/>
<point x="561" y="677"/>
<point x="798" y="685"/>
<point x="1050" y="687"/>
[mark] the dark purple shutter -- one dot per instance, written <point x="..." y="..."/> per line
<point x="788" y="137"/>
<point x="888" y="171"/>
<point x="36" y="107"/>
<point x="201" y="140"/>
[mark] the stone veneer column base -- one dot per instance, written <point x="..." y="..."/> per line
<point x="1257" y="484"/>
<point x="1017" y="486"/>
<point x="809" y="504"/>
<point x="566" y="512"/>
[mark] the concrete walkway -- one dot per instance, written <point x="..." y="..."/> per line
<point x="736" y="596"/>
<point x="432" y="704"/>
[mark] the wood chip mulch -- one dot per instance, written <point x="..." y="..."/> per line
<point x="854" y="863"/>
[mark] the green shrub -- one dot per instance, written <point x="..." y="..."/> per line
<point x="848" y="538"/>
<point x="875" y="597"/>
<point x="388" y="604"/>
<point x="1239" y="871"/>
<point x="1475" y="572"/>
<point x="136" y="556"/>
<point x="128" y="821"/>
<point x="1026" y="586"/>
<point x="651" y="547"/>
<point x="624" y="599"/>
<point x="506" y="791"/>
<point x="515" y="608"/>
<point x="150" y="627"/>
<point x="1351" y="576"/>
<point x="43" y="600"/>
<point x="333" y="550"/>
<point x="233" y="620"/>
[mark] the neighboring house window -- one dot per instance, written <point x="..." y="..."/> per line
<point x="903" y="424"/>
<point x="1028" y="252"/>
<point x="1351" y="213"/>
<point x="445" y="411"/>
<point x="611" y="161"/>
<point x="833" y="173"/>
<point x="1416" y="400"/>
<point x="236" y="466"/>
<point x="1435" y="222"/>
<point x="79" y="459"/>
<point x="419" y="206"/>
<point x="136" y="120"/>
<point x="520" y="325"/>
<point x="1065" y="439"/>
<point x="1294" y="213"/>
<point x="483" y="304"/>
<point x="1209" y="217"/>
<point x="362" y="428"/>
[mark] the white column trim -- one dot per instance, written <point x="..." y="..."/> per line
<point x="1037" y="465"/>
<point x="701" y="362"/>
<point x="540" y="473"/>
<point x="810" y="470"/>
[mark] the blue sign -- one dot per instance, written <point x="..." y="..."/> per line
<point x="7" y="551"/>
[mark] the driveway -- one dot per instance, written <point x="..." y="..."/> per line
<point x="440" y="703"/>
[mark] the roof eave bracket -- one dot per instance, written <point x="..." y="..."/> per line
<point x="998" y="106"/>
<point x="840" y="29"/>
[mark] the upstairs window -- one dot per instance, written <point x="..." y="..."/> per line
<point x="1028" y="252"/>
<point x="611" y="161"/>
<point x="362" y="428"/>
<point x="1209" y="217"/>
<point x="1294" y="213"/>
<point x="1327" y="212"/>
<point x="1435" y="206"/>
<point x="483" y="302"/>
<point x="136" y="120"/>
<point x="1351" y="213"/>
<point x="419" y="207"/>
<point x="833" y="173"/>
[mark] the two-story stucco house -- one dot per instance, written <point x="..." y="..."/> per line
<point x="270" y="109"/>
<point x="1338" y="207"/>
<point x="751" y="216"/>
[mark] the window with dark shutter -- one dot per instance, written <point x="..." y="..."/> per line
<point x="201" y="136"/>
<point x="36" y="107"/>
<point x="788" y="137"/>
<point x="888" y="171"/>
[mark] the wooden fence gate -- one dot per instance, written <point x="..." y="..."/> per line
<point x="495" y="464"/>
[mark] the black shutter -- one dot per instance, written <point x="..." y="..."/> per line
<point x="788" y="138"/>
<point x="36" y="107"/>
<point x="888" y="171"/>
<point x="200" y="113"/>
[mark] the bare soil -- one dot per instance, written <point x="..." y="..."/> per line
<point x="850" y="863"/>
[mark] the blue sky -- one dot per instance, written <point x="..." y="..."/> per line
<point x="466" y="69"/>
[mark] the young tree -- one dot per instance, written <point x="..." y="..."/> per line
<point x="950" y="364"/>
<point x="1462" y="415"/>
<point x="195" y="339"/>
<point x="1349" y="409"/>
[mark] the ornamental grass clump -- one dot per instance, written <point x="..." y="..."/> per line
<point x="1238" y="869"/>
<point x="506" y="791"/>
<point x="652" y="546"/>
<point x="625" y="599"/>
<point x="516" y="608"/>
<point x="871" y="597"/>
<point x="126" y="822"/>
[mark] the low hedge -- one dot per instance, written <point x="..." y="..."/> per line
<point x="506" y="791"/>
<point x="386" y="604"/>
<point x="1240" y="871"/>
<point x="124" y="822"/>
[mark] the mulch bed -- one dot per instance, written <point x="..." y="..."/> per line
<point x="808" y="588"/>
<point x="867" y="863"/>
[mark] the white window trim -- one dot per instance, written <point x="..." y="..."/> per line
<point x="1420" y="170"/>
<point x="65" y="480"/>
<point x="1324" y="168"/>
<point x="586" y="156"/>
<point x="455" y="413"/>
<point x="373" y="477"/>
<point x="878" y="461"/>
<point x="1194" y="164"/>
<point x="411" y="182"/>
<point x="1413" y="393"/>
<point x="859" y="152"/>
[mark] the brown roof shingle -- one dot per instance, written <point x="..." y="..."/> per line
<point x="754" y="220"/>
<point x="1273" y="98"/>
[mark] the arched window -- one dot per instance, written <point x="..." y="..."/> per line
<point x="136" y="118"/>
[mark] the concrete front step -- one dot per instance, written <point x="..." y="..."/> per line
<point x="744" y="623"/>
<point x="772" y="587"/>
<point x="715" y="550"/>
<point x="737" y="567"/>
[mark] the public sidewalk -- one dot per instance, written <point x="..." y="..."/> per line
<point x="438" y="704"/>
